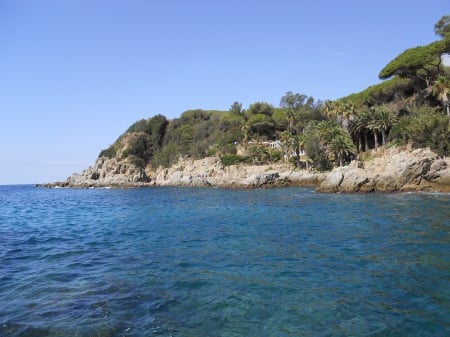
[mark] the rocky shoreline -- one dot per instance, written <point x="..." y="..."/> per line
<point x="391" y="169"/>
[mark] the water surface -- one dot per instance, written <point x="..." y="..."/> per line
<point x="214" y="262"/>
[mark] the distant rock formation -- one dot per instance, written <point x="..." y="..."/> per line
<point x="390" y="170"/>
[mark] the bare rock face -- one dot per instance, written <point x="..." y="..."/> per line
<point x="189" y="172"/>
<point x="391" y="170"/>
<point x="262" y="179"/>
<point x="109" y="172"/>
<point x="332" y="182"/>
<point x="211" y="172"/>
<point x="355" y="181"/>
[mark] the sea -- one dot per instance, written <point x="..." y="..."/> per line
<point x="195" y="262"/>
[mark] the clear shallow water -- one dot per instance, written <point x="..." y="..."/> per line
<point x="212" y="262"/>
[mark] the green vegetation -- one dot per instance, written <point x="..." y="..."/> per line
<point x="410" y="106"/>
<point x="234" y="159"/>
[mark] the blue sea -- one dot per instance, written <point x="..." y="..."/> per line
<point x="197" y="262"/>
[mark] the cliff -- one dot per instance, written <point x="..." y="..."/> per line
<point x="388" y="170"/>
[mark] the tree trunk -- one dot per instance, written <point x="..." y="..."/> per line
<point x="297" y="157"/>
<point x="360" y="143"/>
<point x="375" y="137"/>
<point x="366" y="140"/>
<point x="383" y="136"/>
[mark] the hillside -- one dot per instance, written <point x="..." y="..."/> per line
<point x="409" y="108"/>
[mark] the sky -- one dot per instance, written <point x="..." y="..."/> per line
<point x="75" y="74"/>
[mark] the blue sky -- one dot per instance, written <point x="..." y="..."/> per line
<point x="75" y="74"/>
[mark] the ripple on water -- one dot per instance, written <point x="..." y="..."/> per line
<point x="212" y="262"/>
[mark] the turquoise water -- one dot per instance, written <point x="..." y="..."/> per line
<point x="212" y="262"/>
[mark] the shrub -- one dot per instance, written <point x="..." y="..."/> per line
<point x="230" y="159"/>
<point x="275" y="155"/>
<point x="111" y="151"/>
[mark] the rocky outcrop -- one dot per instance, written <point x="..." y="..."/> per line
<point x="107" y="173"/>
<point x="188" y="172"/>
<point x="391" y="169"/>
<point x="210" y="172"/>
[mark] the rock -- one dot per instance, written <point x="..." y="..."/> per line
<point x="109" y="172"/>
<point x="391" y="169"/>
<point x="437" y="170"/>
<point x="261" y="179"/>
<point x="415" y="171"/>
<point x="332" y="181"/>
<point x="385" y="183"/>
<point x="302" y="178"/>
<point x="353" y="181"/>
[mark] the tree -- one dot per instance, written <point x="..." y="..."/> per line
<point x="259" y="108"/>
<point x="261" y="125"/>
<point x="139" y="152"/>
<point x="340" y="146"/>
<point x="236" y="108"/>
<point x="280" y="119"/>
<point x="424" y="127"/>
<point x="292" y="101"/>
<point x="386" y="91"/>
<point x="286" y="144"/>
<point x="335" y="141"/>
<point x="442" y="27"/>
<point x="291" y="119"/>
<point x="422" y="63"/>
<point x="360" y="131"/>
<point x="382" y="120"/>
<point x="441" y="89"/>
<point x="298" y="143"/>
<point x="340" y="111"/>
<point x="419" y="63"/>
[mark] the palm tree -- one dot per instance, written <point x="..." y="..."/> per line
<point x="328" y="108"/>
<point x="286" y="144"/>
<point x="291" y="120"/>
<point x="245" y="130"/>
<point x="339" y="111"/>
<point x="298" y="144"/>
<point x="340" y="146"/>
<point x="441" y="89"/>
<point x="347" y="112"/>
<point x="358" y="129"/>
<point x="300" y="141"/>
<point x="335" y="141"/>
<point x="373" y="124"/>
<point x="384" y="120"/>
<point x="326" y="130"/>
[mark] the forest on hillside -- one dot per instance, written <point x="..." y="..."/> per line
<point x="411" y="106"/>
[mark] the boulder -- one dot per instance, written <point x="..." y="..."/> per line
<point x="391" y="169"/>
<point x="261" y="179"/>
<point x="353" y="180"/>
<point x="332" y="181"/>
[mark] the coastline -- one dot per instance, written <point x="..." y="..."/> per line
<point x="388" y="169"/>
